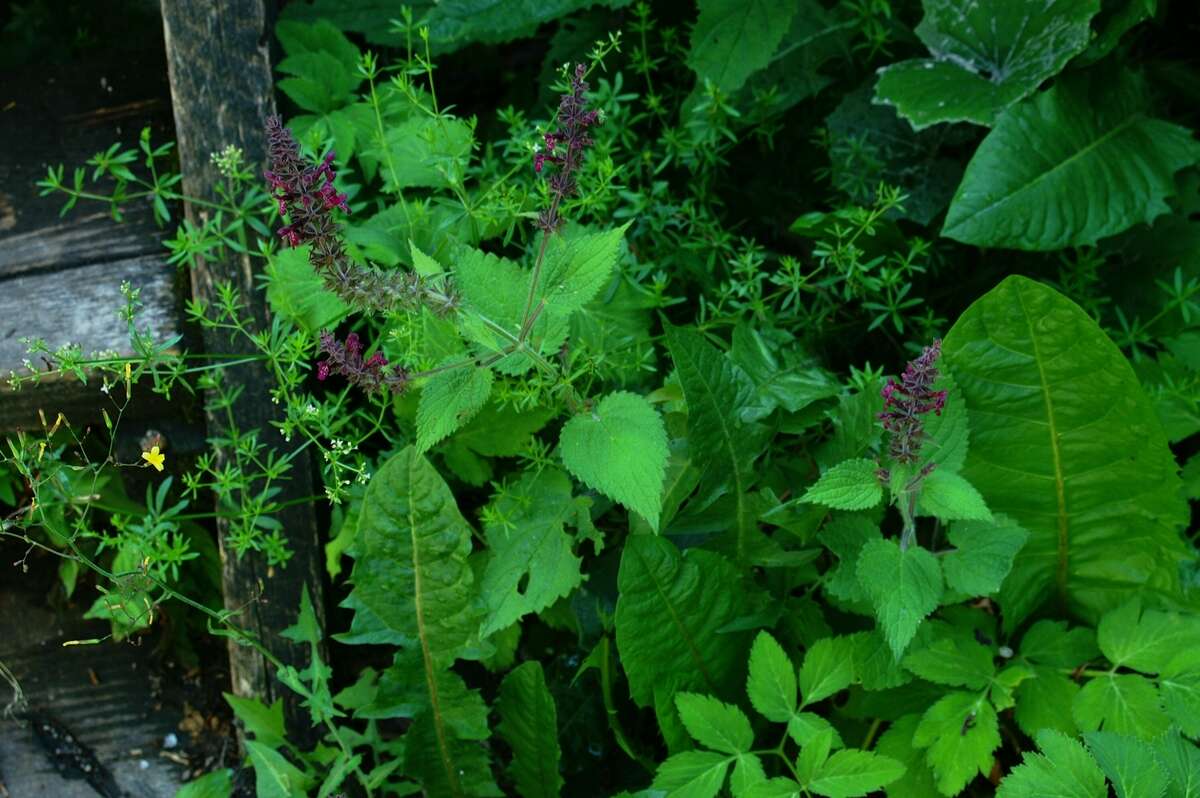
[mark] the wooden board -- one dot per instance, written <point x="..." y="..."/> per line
<point x="103" y="694"/>
<point x="77" y="305"/>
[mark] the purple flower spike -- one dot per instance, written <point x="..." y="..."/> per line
<point x="905" y="403"/>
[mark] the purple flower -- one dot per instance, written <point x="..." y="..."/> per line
<point x="906" y="402"/>
<point x="566" y="147"/>
<point x="371" y="375"/>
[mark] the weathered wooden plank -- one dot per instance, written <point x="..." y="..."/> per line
<point x="64" y="114"/>
<point x="103" y="694"/>
<point x="77" y="306"/>
<point x="221" y="87"/>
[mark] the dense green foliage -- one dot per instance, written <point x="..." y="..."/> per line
<point x="642" y="515"/>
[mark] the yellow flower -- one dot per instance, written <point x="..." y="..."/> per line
<point x="154" y="458"/>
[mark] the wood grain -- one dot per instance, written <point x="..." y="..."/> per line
<point x="221" y="87"/>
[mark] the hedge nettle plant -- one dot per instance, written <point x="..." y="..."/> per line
<point x="607" y="515"/>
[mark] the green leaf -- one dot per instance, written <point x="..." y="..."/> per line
<point x="1051" y="643"/>
<point x="733" y="39"/>
<point x="298" y="294"/>
<point x="450" y="399"/>
<point x="960" y="732"/>
<point x="947" y="433"/>
<point x="903" y="586"/>
<point x="1180" y="690"/>
<point x="848" y="774"/>
<point x="771" y="684"/>
<point x="747" y="772"/>
<point x="986" y="56"/>
<point x="412" y="585"/>
<point x="813" y="754"/>
<point x="426" y="151"/>
<point x="1181" y="759"/>
<point x="1045" y="702"/>
<point x="577" y="267"/>
<point x="775" y="788"/>
<point x="1123" y="703"/>
<point x="983" y="554"/>
<point x="949" y="497"/>
<point x="1131" y="765"/>
<point x="218" y="784"/>
<point x="1146" y="640"/>
<point x="529" y="724"/>
<point x="532" y="564"/>
<point x="849" y="485"/>
<point x="670" y="609"/>
<point x="620" y="449"/>
<point x="1077" y="457"/>
<point x="692" y="774"/>
<point x="1068" y="167"/>
<point x="274" y="776"/>
<point x="845" y="535"/>
<point x="826" y="670"/>
<point x="722" y="446"/>
<point x="875" y="666"/>
<point x="896" y="743"/>
<point x="954" y="660"/>
<point x="714" y="724"/>
<point x="1063" y="769"/>
<point x="265" y="723"/>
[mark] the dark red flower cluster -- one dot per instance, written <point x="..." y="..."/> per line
<point x="371" y="375"/>
<point x="566" y="147"/>
<point x="306" y="195"/>
<point x="905" y="403"/>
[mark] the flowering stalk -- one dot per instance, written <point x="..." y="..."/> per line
<point x="307" y="198"/>
<point x="565" y="148"/>
<point x="905" y="404"/>
<point x="371" y="375"/>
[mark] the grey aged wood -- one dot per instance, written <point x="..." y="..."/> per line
<point x="221" y="87"/>
<point x="103" y="693"/>
<point x="80" y="306"/>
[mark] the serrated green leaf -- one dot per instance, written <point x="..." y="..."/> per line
<point x="1051" y="643"/>
<point x="775" y="788"/>
<point x="845" y="535"/>
<point x="983" y="554"/>
<point x="851" y="773"/>
<point x="814" y="754"/>
<point x="771" y="683"/>
<point x="804" y="726"/>
<point x="1146" y="640"/>
<point x="947" y="433"/>
<point x="274" y="776"/>
<point x="529" y="724"/>
<point x="960" y="732"/>
<point x="949" y="497"/>
<point x="450" y="399"/>
<point x="217" y="784"/>
<point x="954" y="660"/>
<point x="986" y="56"/>
<point x="747" y="773"/>
<point x="1180" y="690"/>
<point x="298" y="294"/>
<point x="734" y="39"/>
<point x="896" y="742"/>
<point x="532" y="564"/>
<point x="1181" y="760"/>
<point x="826" y="670"/>
<point x="1068" y="167"/>
<point x="1063" y="769"/>
<point x="903" y="586"/>
<point x="849" y="485"/>
<point x="1045" y="702"/>
<point x="692" y="774"/>
<point x="576" y="268"/>
<point x="426" y="151"/>
<point x="875" y="666"/>
<point x="669" y="610"/>
<point x="722" y="446"/>
<point x="620" y="449"/>
<point x="1123" y="703"/>
<point x="715" y="724"/>
<point x="1100" y="499"/>
<point x="1131" y="765"/>
<point x="265" y="723"/>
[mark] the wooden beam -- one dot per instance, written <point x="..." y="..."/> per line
<point x="221" y="88"/>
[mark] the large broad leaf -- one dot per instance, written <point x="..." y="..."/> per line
<point x="735" y="38"/>
<point x="529" y="724"/>
<point x="987" y="55"/>
<point x="669" y="612"/>
<point x="1075" y="164"/>
<point x="532" y="563"/>
<point x="716" y="391"/>
<point x="619" y="448"/>
<point x="412" y="586"/>
<point x="1065" y="443"/>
